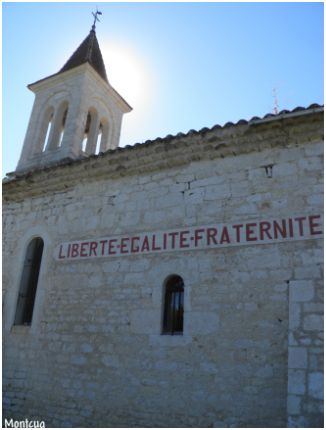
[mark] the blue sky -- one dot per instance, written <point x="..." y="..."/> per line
<point x="181" y="66"/>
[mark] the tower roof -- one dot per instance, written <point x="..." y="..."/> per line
<point x="88" y="51"/>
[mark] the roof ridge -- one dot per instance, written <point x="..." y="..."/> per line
<point x="253" y="120"/>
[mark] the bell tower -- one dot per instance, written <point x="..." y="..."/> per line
<point x="76" y="112"/>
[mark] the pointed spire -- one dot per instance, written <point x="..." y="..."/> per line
<point x="88" y="51"/>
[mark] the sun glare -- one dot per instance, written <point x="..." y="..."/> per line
<point x="127" y="73"/>
<point x="132" y="78"/>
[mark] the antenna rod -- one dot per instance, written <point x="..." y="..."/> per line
<point x="275" y="109"/>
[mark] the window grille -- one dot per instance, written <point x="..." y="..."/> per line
<point x="28" y="283"/>
<point x="173" y="306"/>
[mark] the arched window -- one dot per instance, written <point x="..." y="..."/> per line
<point x="99" y="138"/>
<point x="57" y="127"/>
<point x="47" y="133"/>
<point x="104" y="131"/>
<point x="45" y="130"/>
<point x="173" y="305"/>
<point x="63" y="123"/>
<point x="28" y="282"/>
<point x="91" y="131"/>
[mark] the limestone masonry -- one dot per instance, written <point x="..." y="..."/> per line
<point x="101" y="348"/>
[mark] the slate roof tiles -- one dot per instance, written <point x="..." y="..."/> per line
<point x="88" y="51"/>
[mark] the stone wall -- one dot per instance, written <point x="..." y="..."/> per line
<point x="306" y="358"/>
<point x="250" y="354"/>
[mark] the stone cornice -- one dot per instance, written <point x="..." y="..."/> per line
<point x="61" y="77"/>
<point x="172" y="151"/>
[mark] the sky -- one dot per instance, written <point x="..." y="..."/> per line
<point x="181" y="66"/>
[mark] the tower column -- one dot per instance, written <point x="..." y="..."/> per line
<point x="104" y="138"/>
<point x="92" y="134"/>
<point x="56" y="129"/>
<point x="74" y="129"/>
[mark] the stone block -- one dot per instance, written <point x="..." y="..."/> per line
<point x="201" y="323"/>
<point x="257" y="174"/>
<point x="294" y="315"/>
<point x="185" y="177"/>
<point x="310" y="272"/>
<point x="265" y="372"/>
<point x="78" y="360"/>
<point x="216" y="192"/>
<point x="313" y="307"/>
<point x="314" y="149"/>
<point x="145" y="321"/>
<point x="210" y="180"/>
<point x="315" y="200"/>
<point x="296" y="381"/>
<point x="291" y="340"/>
<point x="297" y="421"/>
<point x="301" y="291"/>
<point x="86" y="347"/>
<point x="313" y="322"/>
<point x="284" y="169"/>
<point x="311" y="163"/>
<point x="294" y="404"/>
<point x="194" y="196"/>
<point x="316" y="385"/>
<point x="298" y="357"/>
<point x="240" y="189"/>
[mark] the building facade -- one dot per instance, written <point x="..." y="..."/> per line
<point x="175" y="283"/>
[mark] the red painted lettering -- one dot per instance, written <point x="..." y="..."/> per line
<point x="69" y="249"/>
<point x="133" y="247"/>
<point x="225" y="235"/>
<point x="111" y="246"/>
<point x="279" y="229"/>
<point x="92" y="249"/>
<point x="154" y="245"/>
<point x="313" y="225"/>
<point x="74" y="250"/>
<point x="250" y="231"/>
<point x="123" y="245"/>
<point x="290" y="227"/>
<point x="198" y="235"/>
<point x="145" y="245"/>
<point x="164" y="240"/>
<point x="83" y="247"/>
<point x="173" y="235"/>
<point x="264" y="228"/>
<point x="184" y="239"/>
<point x="300" y="220"/>
<point x="103" y="242"/>
<point x="237" y="229"/>
<point x="60" y="253"/>
<point x="211" y="236"/>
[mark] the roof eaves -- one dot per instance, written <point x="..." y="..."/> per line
<point x="299" y="111"/>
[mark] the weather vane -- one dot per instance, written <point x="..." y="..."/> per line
<point x="96" y="18"/>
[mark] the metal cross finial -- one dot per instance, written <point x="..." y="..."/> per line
<point x="95" y="18"/>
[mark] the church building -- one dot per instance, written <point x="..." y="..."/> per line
<point x="174" y="283"/>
